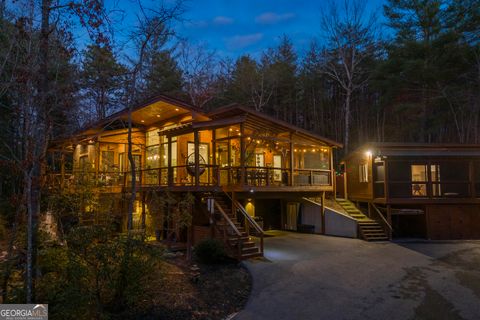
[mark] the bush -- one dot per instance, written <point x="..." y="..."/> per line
<point x="210" y="251"/>
<point x="98" y="275"/>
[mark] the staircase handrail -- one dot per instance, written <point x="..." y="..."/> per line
<point x="250" y="220"/>
<point x="329" y="208"/>
<point x="227" y="218"/>
<point x="248" y="217"/>
<point x="382" y="217"/>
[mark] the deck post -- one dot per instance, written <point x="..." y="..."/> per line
<point x="242" y="154"/>
<point x="215" y="170"/>
<point x="369" y="209"/>
<point x="196" y="141"/>
<point x="322" y="208"/>
<point x="291" y="160"/>
<point x="143" y="210"/>
<point x="170" y="169"/>
<point x="389" y="219"/>
<point x="333" y="175"/>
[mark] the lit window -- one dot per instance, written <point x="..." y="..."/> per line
<point x="363" y="172"/>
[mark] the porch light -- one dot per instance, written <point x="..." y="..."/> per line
<point x="294" y="150"/>
<point x="230" y="129"/>
<point x="158" y="116"/>
<point x="258" y="141"/>
<point x="249" y="138"/>
<point x="251" y="190"/>
<point x="304" y="150"/>
<point x="176" y="109"/>
<point x="142" y="121"/>
<point x="368" y="153"/>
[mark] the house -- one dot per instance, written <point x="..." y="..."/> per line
<point x="247" y="171"/>
<point x="416" y="190"/>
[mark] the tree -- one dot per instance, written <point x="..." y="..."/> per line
<point x="282" y="63"/>
<point x="350" y="38"/>
<point x="250" y="83"/>
<point x="162" y="75"/>
<point x="200" y="79"/>
<point x="429" y="62"/>
<point x="102" y="80"/>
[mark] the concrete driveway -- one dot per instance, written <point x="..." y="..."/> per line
<point x="319" y="277"/>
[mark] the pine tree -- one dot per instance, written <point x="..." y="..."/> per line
<point x="102" y="80"/>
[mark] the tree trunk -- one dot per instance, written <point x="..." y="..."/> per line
<point x="347" y="120"/>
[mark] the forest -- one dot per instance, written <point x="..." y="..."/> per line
<point x="409" y="72"/>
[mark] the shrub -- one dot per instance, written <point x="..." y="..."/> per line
<point x="95" y="272"/>
<point x="210" y="251"/>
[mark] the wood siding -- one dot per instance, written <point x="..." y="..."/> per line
<point x="453" y="222"/>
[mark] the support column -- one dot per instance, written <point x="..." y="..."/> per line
<point x="333" y="174"/>
<point x="196" y="141"/>
<point x="242" y="154"/>
<point x="215" y="171"/>
<point x="143" y="210"/>
<point x="322" y="208"/>
<point x="170" y="169"/>
<point x="291" y="160"/>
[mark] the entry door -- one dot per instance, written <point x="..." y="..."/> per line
<point x="292" y="216"/>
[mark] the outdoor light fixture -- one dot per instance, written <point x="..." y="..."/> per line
<point x="142" y="121"/>
<point x="368" y="153"/>
<point x="176" y="109"/>
<point x="251" y="191"/>
<point x="158" y="116"/>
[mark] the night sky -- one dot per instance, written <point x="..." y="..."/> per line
<point x="233" y="28"/>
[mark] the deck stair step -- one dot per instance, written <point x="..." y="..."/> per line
<point x="369" y="229"/>
<point x="249" y="249"/>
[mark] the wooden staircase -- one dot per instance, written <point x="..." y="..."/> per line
<point x="235" y="235"/>
<point x="369" y="229"/>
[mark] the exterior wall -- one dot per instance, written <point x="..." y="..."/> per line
<point x="357" y="190"/>
<point x="453" y="221"/>
<point x="337" y="224"/>
<point x="311" y="215"/>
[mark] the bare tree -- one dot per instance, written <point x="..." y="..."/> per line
<point x="199" y="72"/>
<point x="350" y="37"/>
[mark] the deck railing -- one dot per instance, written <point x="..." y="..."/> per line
<point x="210" y="175"/>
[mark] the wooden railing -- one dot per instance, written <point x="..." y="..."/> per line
<point x="233" y="227"/>
<point x="211" y="175"/>
<point x="249" y="222"/>
<point x="386" y="226"/>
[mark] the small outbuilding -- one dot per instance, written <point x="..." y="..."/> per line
<point x="421" y="190"/>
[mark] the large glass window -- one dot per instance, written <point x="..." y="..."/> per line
<point x="107" y="161"/>
<point x="153" y="157"/>
<point x="430" y="179"/>
<point x="419" y="174"/>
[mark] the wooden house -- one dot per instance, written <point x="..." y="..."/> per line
<point x="247" y="171"/>
<point x="417" y="190"/>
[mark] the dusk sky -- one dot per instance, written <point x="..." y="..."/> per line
<point x="233" y="28"/>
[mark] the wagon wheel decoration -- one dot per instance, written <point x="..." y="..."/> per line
<point x="202" y="164"/>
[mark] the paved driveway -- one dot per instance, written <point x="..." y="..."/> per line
<point x="318" y="277"/>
